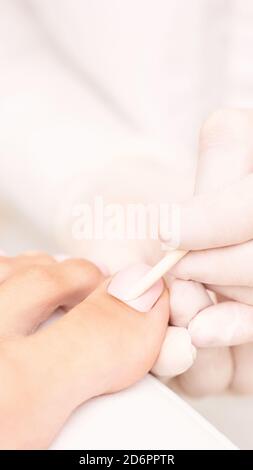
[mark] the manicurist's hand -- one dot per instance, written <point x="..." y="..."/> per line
<point x="100" y="345"/>
<point x="217" y="226"/>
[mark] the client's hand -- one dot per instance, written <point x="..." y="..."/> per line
<point x="99" y="346"/>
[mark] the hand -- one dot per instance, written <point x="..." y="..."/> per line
<point x="99" y="346"/>
<point x="217" y="225"/>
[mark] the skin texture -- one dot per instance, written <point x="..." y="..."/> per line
<point x="100" y="345"/>
<point x="217" y="226"/>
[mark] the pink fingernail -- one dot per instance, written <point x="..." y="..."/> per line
<point x="123" y="282"/>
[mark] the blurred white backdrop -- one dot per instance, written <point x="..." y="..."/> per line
<point x="81" y="82"/>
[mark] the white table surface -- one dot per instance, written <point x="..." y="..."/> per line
<point x="146" y="416"/>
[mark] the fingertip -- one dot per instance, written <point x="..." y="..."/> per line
<point x="187" y="298"/>
<point x="177" y="353"/>
<point x="225" y="324"/>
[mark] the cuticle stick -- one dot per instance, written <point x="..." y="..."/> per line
<point x="155" y="273"/>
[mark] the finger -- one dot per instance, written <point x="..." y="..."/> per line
<point x="210" y="374"/>
<point x="187" y="298"/>
<point x="177" y="353"/>
<point x="30" y="296"/>
<point x="223" y="266"/>
<point x="225" y="324"/>
<point x="240" y="294"/>
<point x="242" y="381"/>
<point x="225" y="157"/>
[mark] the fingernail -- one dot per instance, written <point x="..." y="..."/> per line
<point x="123" y="282"/>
